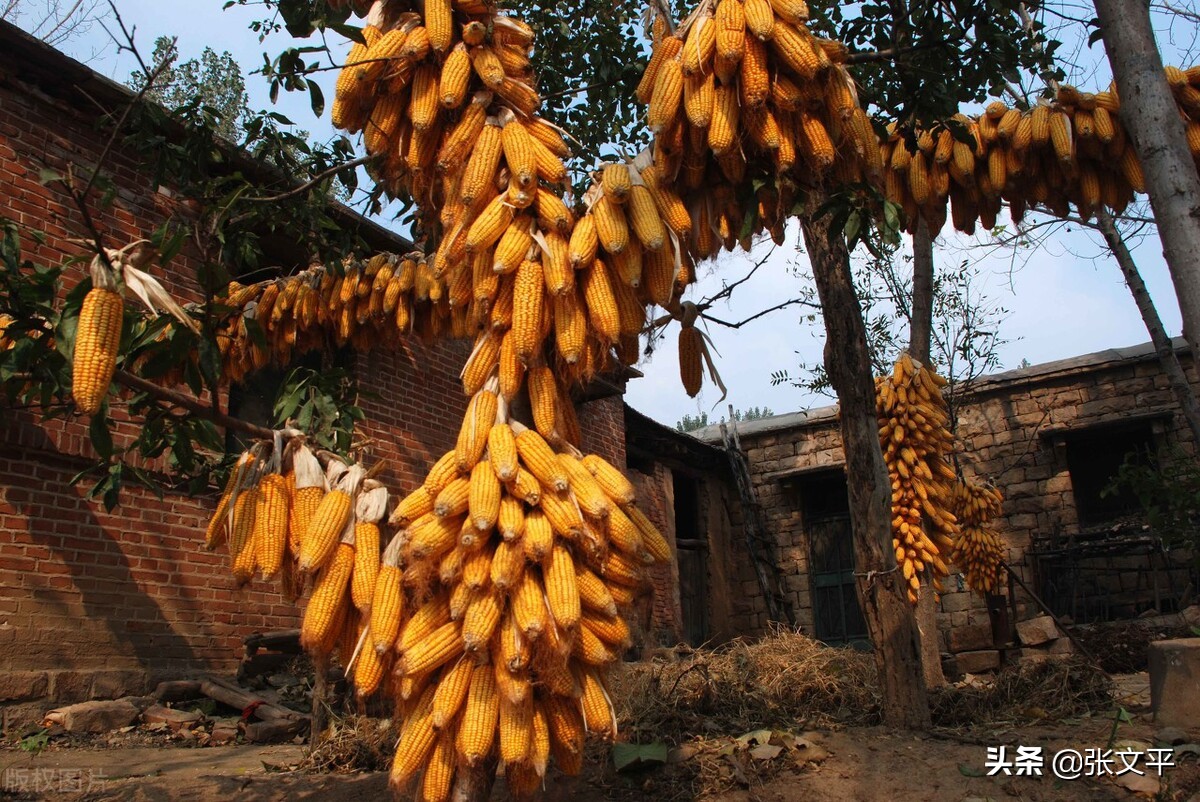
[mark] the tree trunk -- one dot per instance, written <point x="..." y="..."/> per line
<point x="1163" y="348"/>
<point x="921" y="317"/>
<point x="882" y="592"/>
<point x="1151" y="117"/>
<point x="920" y="332"/>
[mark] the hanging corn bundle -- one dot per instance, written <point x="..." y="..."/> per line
<point x="978" y="550"/>
<point x="916" y="442"/>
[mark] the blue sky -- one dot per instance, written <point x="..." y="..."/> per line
<point x="1065" y="298"/>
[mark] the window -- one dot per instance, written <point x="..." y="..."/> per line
<point x="1094" y="457"/>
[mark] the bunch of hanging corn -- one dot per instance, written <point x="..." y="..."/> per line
<point x="978" y="550"/>
<point x="1069" y="151"/>
<point x="916" y="442"/>
<point x="742" y="94"/>
<point x="367" y="305"/>
<point x="496" y="604"/>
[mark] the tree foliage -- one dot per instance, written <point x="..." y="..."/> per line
<point x="690" y="423"/>
<point x="213" y="80"/>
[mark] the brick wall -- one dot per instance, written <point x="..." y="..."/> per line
<point x="95" y="604"/>
<point x="1011" y="429"/>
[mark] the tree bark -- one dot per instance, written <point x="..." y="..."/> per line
<point x="882" y="592"/>
<point x="920" y="333"/>
<point x="1163" y="348"/>
<point x="1151" y="117"/>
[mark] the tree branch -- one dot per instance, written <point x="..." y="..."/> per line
<point x="318" y="178"/>
<point x="776" y="308"/>
<point x="729" y="288"/>
<point x="192" y="405"/>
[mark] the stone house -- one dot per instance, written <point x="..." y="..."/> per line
<point x="1051" y="437"/>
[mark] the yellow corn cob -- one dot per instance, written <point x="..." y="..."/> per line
<point x="699" y="45"/>
<point x="477" y="730"/>
<point x="601" y="302"/>
<point x="432" y="536"/>
<point x="562" y="590"/>
<point x="502" y="452"/>
<point x="529" y="605"/>
<point x="664" y="50"/>
<point x="598" y="715"/>
<point x="512" y="370"/>
<point x="462" y="137"/>
<point x="513" y="245"/>
<point x="540" y="460"/>
<point x="242" y="544"/>
<point x="438" y="777"/>
<point x="484" y="502"/>
<point x="594" y="593"/>
<point x="325" y="529"/>
<point x="481" y="166"/>
<point x="667" y="95"/>
<point x="417" y="741"/>
<point x="516" y="730"/>
<point x="795" y="48"/>
<point x="215" y="535"/>
<point x="453" y="500"/>
<point x="525" y="487"/>
<point x="368" y="672"/>
<point x="754" y="79"/>
<point x="612" y="229"/>
<point x="567" y="733"/>
<point x="442" y="645"/>
<point x="584" y="243"/>
<point x="698" y="97"/>
<point x="539" y="536"/>
<point x="451" y="692"/>
<point x="722" y="131"/>
<point x="456" y="72"/>
<point x="97" y="341"/>
<point x="423" y="105"/>
<point x="653" y="541"/>
<point x="1060" y="137"/>
<point x="481" y="619"/>
<point x="590" y="649"/>
<point x="570" y="326"/>
<point x="615" y="181"/>
<point x="387" y="609"/>
<point x="669" y="204"/>
<point x="644" y="215"/>
<point x="473" y="436"/>
<point x="556" y="265"/>
<point x="366" y="565"/>
<point x="529" y="292"/>
<point x="519" y="152"/>
<point x="539" y="741"/>
<point x="329" y="593"/>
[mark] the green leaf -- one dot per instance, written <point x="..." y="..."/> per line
<point x="99" y="433"/>
<point x="626" y="755"/>
<point x="316" y="98"/>
<point x="967" y="770"/>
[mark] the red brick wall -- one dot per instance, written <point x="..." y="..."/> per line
<point x="95" y="604"/>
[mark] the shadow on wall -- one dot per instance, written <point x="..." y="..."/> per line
<point x="78" y="600"/>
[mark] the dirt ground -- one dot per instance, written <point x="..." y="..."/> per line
<point x="851" y="763"/>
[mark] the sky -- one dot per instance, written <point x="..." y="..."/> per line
<point x="1064" y="298"/>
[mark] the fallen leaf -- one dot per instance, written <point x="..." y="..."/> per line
<point x="755" y="736"/>
<point x="681" y="754"/>
<point x="638" y="755"/>
<point x="1139" y="784"/>
<point x="968" y="770"/>
<point x="765" y="752"/>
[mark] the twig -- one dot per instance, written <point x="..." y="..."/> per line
<point x="728" y="289"/>
<point x="318" y="178"/>
<point x="576" y="91"/>
<point x="128" y="34"/>
<point x="752" y="318"/>
<point x="887" y="54"/>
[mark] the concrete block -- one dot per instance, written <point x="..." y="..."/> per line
<point x="93" y="717"/>
<point x="1175" y="682"/>
<point x="174" y="719"/>
<point x="1037" y="631"/>
<point x="971" y="638"/>
<point x="978" y="662"/>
